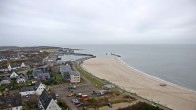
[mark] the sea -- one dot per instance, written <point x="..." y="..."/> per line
<point x="172" y="63"/>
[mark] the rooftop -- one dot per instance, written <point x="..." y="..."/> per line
<point x="13" y="100"/>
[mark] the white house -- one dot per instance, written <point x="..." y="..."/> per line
<point x="9" y="68"/>
<point x="27" y="90"/>
<point x="35" y="89"/>
<point x="39" y="88"/>
<point x="48" y="101"/>
<point x="13" y="75"/>
<point x="20" y="80"/>
<point x="23" y="65"/>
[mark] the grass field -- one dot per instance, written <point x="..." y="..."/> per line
<point x="94" y="80"/>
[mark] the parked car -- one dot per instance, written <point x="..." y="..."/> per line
<point x="72" y="87"/>
<point x="70" y="94"/>
<point x="74" y="100"/>
<point x="80" y="104"/>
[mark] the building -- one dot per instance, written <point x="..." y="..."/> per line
<point x="74" y="76"/>
<point x="13" y="75"/>
<point x="23" y="65"/>
<point x="5" y="81"/>
<point x="65" y="69"/>
<point x="10" y="102"/>
<point x="3" y="58"/>
<point x="13" y="67"/>
<point x="48" y="101"/>
<point x="68" y="74"/>
<point x="3" y="68"/>
<point x="9" y="68"/>
<point x="21" y="79"/>
<point x="35" y="89"/>
<point x="39" y="74"/>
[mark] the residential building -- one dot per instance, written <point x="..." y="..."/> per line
<point x="5" y="81"/>
<point x="74" y="76"/>
<point x="13" y="67"/>
<point x="68" y="74"/>
<point x="39" y="74"/>
<point x="21" y="79"/>
<point x="13" y="75"/>
<point x="64" y="69"/>
<point x="23" y="65"/>
<point x="48" y="101"/>
<point x="10" y="102"/>
<point x="35" y="89"/>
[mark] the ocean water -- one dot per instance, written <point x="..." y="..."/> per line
<point x="173" y="63"/>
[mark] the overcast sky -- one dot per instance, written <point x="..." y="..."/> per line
<point x="61" y="22"/>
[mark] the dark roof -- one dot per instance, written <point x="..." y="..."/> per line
<point x="65" y="68"/>
<point x="40" y="74"/>
<point x="27" y="88"/>
<point x="45" y="98"/>
<point x="37" y="85"/>
<point x="30" y="88"/>
<point x="43" y="76"/>
<point x="6" y="78"/>
<point x="10" y="101"/>
<point x="74" y="73"/>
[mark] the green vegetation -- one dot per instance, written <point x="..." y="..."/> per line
<point x="2" y="88"/>
<point x="62" y="104"/>
<point x="112" y="96"/>
<point x="31" y="103"/>
<point x="94" y="80"/>
<point x="141" y="106"/>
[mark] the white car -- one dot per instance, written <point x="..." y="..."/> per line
<point x="75" y="100"/>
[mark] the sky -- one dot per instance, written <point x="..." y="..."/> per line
<point x="64" y="22"/>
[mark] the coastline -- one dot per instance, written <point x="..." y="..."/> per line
<point x="118" y="72"/>
<point x="154" y="77"/>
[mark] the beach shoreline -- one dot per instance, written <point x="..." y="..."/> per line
<point x="115" y="70"/>
<point x="154" y="77"/>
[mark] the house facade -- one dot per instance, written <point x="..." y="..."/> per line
<point x="68" y="74"/>
<point x="74" y="76"/>
<point x="35" y="89"/>
<point x="48" y="101"/>
<point x="39" y="88"/>
<point x="13" y="75"/>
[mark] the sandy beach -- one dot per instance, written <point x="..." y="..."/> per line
<point x="114" y="70"/>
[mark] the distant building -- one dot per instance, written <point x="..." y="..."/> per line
<point x="13" y="67"/>
<point x="9" y="68"/>
<point x="35" y="89"/>
<point x="21" y="78"/>
<point x="10" y="102"/>
<point x="3" y="58"/>
<point x="68" y="74"/>
<point x="65" y="69"/>
<point x="39" y="74"/>
<point x="74" y="76"/>
<point x="23" y="65"/>
<point x="3" y="68"/>
<point x="48" y="101"/>
<point x="5" y="81"/>
<point x="13" y="75"/>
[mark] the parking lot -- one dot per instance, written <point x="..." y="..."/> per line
<point x="63" y="91"/>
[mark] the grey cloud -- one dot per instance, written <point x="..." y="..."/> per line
<point x="49" y="22"/>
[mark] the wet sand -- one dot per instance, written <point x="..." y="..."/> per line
<point x="114" y="70"/>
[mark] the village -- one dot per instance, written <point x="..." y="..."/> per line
<point x="51" y="78"/>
